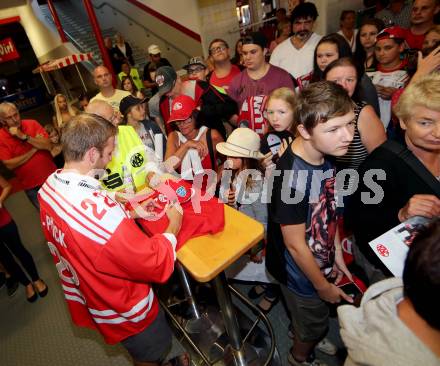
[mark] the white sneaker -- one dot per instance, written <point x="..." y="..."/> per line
<point x="327" y="347"/>
<point x="294" y="362"/>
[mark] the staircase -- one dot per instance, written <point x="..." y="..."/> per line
<point x="79" y="31"/>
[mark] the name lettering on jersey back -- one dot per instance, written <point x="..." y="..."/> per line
<point x="56" y="232"/>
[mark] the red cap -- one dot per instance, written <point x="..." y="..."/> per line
<point x="394" y="32"/>
<point x="181" y="108"/>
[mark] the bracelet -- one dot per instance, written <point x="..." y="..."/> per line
<point x="26" y="137"/>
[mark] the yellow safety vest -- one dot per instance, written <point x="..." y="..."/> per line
<point x="126" y="170"/>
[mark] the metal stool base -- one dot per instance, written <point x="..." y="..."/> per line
<point x="207" y="342"/>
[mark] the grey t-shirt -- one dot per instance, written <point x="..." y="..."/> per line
<point x="153" y="106"/>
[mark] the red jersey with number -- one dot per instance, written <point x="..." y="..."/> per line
<point x="35" y="171"/>
<point x="253" y="114"/>
<point x="105" y="262"/>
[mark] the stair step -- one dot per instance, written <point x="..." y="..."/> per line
<point x="78" y="27"/>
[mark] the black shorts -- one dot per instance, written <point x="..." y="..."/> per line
<point x="153" y="343"/>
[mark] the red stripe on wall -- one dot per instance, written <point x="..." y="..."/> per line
<point x="166" y="20"/>
<point x="9" y="20"/>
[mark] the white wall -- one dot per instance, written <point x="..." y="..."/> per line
<point x="218" y="19"/>
<point x="176" y="46"/>
<point x="184" y="12"/>
<point x="329" y="12"/>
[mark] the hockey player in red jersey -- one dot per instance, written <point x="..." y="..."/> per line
<point x="105" y="262"/>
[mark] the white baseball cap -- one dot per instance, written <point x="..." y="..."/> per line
<point x="153" y="49"/>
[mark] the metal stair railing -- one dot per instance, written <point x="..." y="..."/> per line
<point x="98" y="7"/>
<point x="87" y="64"/>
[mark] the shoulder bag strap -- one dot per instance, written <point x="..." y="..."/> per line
<point x="210" y="148"/>
<point x="409" y="158"/>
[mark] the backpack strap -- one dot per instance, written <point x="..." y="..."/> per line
<point x="210" y="149"/>
<point x="411" y="160"/>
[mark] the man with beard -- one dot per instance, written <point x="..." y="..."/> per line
<point x="295" y="54"/>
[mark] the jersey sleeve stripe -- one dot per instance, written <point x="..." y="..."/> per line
<point x="72" y="290"/>
<point x="146" y="301"/>
<point x="145" y="307"/>
<point x="74" y="298"/>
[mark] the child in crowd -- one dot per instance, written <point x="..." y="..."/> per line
<point x="304" y="253"/>
<point x="57" y="149"/>
<point x="242" y="152"/>
<point x="83" y="102"/>
<point x="280" y="109"/>
<point x="333" y="47"/>
<point x="366" y="39"/>
<point x="328" y="49"/>
<point x="128" y="84"/>
<point x="391" y="74"/>
<point x="133" y="73"/>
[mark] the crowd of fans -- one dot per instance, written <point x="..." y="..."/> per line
<point x="364" y="99"/>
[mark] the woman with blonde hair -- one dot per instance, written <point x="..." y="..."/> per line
<point x="63" y="111"/>
<point x="412" y="170"/>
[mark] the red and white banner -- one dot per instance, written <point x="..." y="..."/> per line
<point x="8" y="51"/>
<point x="63" y="62"/>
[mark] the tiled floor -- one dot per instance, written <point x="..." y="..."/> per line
<point x="42" y="333"/>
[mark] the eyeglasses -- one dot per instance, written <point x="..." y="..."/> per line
<point x="195" y="70"/>
<point x="217" y="49"/>
<point x="183" y="122"/>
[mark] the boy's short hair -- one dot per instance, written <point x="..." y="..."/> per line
<point x="425" y="93"/>
<point x="83" y="132"/>
<point x="421" y="276"/>
<point x="257" y="38"/>
<point x="320" y="102"/>
<point x="304" y="11"/>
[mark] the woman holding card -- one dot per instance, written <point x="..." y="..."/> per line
<point x="397" y="181"/>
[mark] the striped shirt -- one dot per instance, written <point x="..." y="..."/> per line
<point x="357" y="152"/>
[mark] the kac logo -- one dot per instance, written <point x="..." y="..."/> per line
<point x="181" y="191"/>
<point x="136" y="160"/>
<point x="383" y="250"/>
<point x="160" y="80"/>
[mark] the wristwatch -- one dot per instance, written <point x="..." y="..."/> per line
<point x="25" y="138"/>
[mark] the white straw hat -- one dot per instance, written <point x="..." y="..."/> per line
<point x="241" y="143"/>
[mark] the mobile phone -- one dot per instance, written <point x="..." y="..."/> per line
<point x="352" y="290"/>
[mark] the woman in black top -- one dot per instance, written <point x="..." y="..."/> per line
<point x="396" y="191"/>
